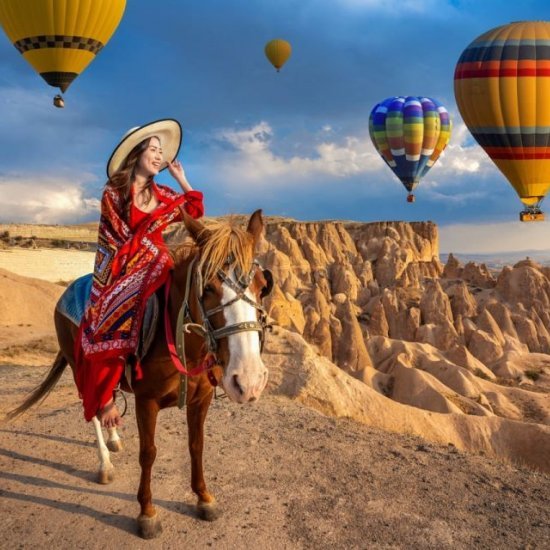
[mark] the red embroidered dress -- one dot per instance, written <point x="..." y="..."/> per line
<point x="131" y="263"/>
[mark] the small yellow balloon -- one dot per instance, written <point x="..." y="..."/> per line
<point x="278" y="51"/>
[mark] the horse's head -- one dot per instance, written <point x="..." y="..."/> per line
<point x="229" y="286"/>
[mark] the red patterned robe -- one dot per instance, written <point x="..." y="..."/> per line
<point x="129" y="267"/>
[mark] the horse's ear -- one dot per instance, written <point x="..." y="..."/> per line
<point x="196" y="229"/>
<point x="256" y="225"/>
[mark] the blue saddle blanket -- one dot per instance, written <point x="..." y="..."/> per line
<point x="72" y="303"/>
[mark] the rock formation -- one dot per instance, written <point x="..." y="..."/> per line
<point x="376" y="301"/>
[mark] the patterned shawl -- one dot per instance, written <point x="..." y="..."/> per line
<point x="129" y="267"/>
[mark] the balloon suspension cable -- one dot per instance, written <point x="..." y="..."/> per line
<point x="534" y="208"/>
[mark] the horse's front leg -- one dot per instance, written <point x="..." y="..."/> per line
<point x="149" y="525"/>
<point x="198" y="401"/>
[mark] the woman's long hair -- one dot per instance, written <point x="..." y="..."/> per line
<point x="123" y="178"/>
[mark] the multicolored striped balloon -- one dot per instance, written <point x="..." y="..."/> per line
<point x="410" y="133"/>
<point x="502" y="88"/>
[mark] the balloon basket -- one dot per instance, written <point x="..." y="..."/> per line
<point x="527" y="216"/>
<point x="411" y="198"/>
<point x="58" y="101"/>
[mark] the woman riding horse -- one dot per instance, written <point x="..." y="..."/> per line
<point x="212" y="304"/>
<point x="132" y="261"/>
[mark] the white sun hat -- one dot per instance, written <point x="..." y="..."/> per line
<point x="168" y="130"/>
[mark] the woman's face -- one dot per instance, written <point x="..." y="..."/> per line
<point x="150" y="161"/>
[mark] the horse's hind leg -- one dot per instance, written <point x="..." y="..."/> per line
<point x="106" y="473"/>
<point x="149" y="525"/>
<point x="113" y="442"/>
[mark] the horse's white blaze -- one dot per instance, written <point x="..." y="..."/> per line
<point x="245" y="376"/>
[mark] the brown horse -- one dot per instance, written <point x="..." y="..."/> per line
<point x="214" y="299"/>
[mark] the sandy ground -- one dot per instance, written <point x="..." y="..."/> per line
<point x="48" y="264"/>
<point x="284" y="477"/>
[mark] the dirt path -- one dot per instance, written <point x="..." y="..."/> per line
<point x="284" y="477"/>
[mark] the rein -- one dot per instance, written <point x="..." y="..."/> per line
<point x="177" y="350"/>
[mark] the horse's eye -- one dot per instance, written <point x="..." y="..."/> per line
<point x="208" y="289"/>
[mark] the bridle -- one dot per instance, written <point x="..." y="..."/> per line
<point x="205" y="329"/>
<point x="186" y="325"/>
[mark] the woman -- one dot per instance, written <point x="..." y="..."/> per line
<point x="132" y="261"/>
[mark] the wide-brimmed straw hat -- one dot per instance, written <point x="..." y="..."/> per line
<point x="167" y="130"/>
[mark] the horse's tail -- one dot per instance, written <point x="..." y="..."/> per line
<point x="42" y="391"/>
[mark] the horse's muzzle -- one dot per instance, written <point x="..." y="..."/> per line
<point x="245" y="385"/>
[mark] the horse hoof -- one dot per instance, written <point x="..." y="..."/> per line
<point x="208" y="511"/>
<point x="115" y="445"/>
<point x="104" y="477"/>
<point x="149" y="527"/>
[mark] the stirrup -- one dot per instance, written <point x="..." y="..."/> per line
<point x="117" y="391"/>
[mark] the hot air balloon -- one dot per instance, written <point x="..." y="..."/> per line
<point x="60" y="38"/>
<point x="278" y="51"/>
<point x="410" y="133"/>
<point x="502" y="88"/>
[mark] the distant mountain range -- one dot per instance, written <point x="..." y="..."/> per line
<point x="498" y="260"/>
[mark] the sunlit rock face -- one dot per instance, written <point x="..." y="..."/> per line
<point x="341" y="283"/>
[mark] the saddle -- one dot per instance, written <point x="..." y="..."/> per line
<point x="72" y="305"/>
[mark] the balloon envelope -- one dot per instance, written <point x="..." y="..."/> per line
<point x="60" y="38"/>
<point x="410" y="134"/>
<point x="502" y="88"/>
<point x="278" y="51"/>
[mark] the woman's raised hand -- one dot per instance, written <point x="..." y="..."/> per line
<point x="176" y="170"/>
<point x="178" y="173"/>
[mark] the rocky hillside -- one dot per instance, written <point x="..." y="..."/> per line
<point x="375" y="300"/>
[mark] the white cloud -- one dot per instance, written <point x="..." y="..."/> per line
<point x="254" y="161"/>
<point x="462" y="156"/>
<point x="36" y="198"/>
<point x="494" y="238"/>
<point x="463" y="172"/>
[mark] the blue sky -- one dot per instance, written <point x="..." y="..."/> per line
<point x="294" y="143"/>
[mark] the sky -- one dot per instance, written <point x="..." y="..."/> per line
<point x="294" y="143"/>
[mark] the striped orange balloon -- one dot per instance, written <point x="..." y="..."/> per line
<point x="502" y="88"/>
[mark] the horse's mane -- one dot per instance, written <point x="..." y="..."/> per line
<point x="225" y="240"/>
